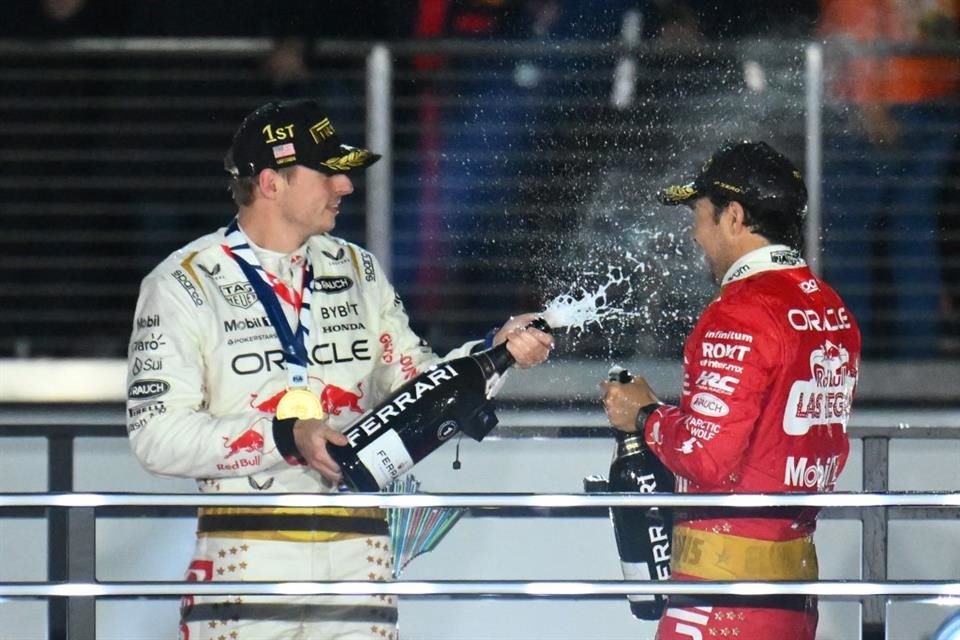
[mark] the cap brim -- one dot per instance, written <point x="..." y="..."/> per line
<point x="678" y="194"/>
<point x="352" y="158"/>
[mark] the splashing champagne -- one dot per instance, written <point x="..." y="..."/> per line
<point x="592" y="307"/>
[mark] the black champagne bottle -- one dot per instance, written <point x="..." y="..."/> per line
<point x="643" y="534"/>
<point x="417" y="418"/>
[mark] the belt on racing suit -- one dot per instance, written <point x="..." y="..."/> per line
<point x="719" y="556"/>
<point x="323" y="524"/>
<point x="716" y="556"/>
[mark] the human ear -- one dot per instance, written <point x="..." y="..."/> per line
<point x="268" y="180"/>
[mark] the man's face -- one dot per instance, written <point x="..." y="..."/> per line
<point x="708" y="231"/>
<point x="311" y="200"/>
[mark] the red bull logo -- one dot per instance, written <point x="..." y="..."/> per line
<point x="269" y="405"/>
<point x="249" y="441"/>
<point x="335" y="399"/>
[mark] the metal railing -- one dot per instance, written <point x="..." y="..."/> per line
<point x="72" y="587"/>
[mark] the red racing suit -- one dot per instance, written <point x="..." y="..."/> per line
<point x="206" y="374"/>
<point x="769" y="376"/>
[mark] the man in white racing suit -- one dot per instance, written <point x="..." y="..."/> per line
<point x="252" y="347"/>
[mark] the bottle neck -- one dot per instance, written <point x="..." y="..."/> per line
<point x="495" y="360"/>
<point x="628" y="444"/>
<point x="498" y="359"/>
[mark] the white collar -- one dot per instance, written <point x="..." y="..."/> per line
<point x="769" y="258"/>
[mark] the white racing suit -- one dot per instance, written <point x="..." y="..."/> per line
<point x="206" y="374"/>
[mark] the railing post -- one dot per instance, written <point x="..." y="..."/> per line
<point x="876" y="454"/>
<point x="814" y="154"/>
<point x="71" y="549"/>
<point x="380" y="140"/>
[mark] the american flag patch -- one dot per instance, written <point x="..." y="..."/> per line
<point x="284" y="151"/>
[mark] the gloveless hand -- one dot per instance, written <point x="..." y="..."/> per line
<point x="622" y="402"/>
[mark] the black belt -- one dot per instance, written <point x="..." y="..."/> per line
<point x="292" y="522"/>
<point x="229" y="611"/>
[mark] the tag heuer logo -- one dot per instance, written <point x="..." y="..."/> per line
<point x="332" y="284"/>
<point x="239" y="294"/>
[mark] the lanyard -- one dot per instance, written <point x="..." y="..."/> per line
<point x="271" y="290"/>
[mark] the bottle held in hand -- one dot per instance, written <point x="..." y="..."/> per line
<point x="417" y="418"/>
<point x="643" y="534"/>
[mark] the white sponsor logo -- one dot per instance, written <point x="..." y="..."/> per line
<point x="729" y="335"/>
<point x="722" y="366"/>
<point x="809" y="286"/>
<point x="826" y="398"/>
<point x="822" y="474"/>
<point x="376" y="422"/>
<point x="724" y="351"/>
<point x="709" y="405"/>
<point x="810" y="320"/>
<point x="703" y="429"/>
<point x="716" y="382"/>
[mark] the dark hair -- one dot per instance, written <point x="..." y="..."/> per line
<point x="777" y="226"/>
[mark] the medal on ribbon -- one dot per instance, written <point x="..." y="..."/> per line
<point x="299" y="401"/>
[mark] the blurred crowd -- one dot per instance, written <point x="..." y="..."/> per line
<point x="478" y="136"/>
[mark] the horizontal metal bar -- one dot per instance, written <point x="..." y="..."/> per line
<point x="482" y="500"/>
<point x="835" y="513"/>
<point x="255" y="47"/>
<point x="508" y="588"/>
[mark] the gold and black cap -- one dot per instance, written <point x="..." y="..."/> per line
<point x="752" y="173"/>
<point x="296" y="132"/>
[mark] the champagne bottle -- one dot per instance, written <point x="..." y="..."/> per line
<point x="643" y="534"/>
<point x="417" y="418"/>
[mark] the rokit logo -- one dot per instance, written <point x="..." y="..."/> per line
<point x="146" y="389"/>
<point x="724" y="351"/>
<point x="332" y="284"/>
<point x="150" y="322"/>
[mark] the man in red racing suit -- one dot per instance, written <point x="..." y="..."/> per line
<point x="769" y="376"/>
